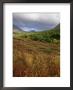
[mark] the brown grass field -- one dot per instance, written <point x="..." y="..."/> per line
<point x="35" y="58"/>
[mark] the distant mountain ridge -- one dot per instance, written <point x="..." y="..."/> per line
<point x="17" y="29"/>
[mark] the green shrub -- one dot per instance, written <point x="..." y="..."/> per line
<point x="55" y="36"/>
<point x="52" y="36"/>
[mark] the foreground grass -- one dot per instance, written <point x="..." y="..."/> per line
<point x="35" y="58"/>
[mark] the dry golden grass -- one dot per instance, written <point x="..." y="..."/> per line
<point x="35" y="59"/>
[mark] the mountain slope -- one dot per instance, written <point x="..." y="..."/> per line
<point x="16" y="29"/>
<point x="36" y="54"/>
<point x="46" y="35"/>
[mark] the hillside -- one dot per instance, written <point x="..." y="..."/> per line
<point x="36" y="54"/>
<point x="47" y="35"/>
<point x="16" y="29"/>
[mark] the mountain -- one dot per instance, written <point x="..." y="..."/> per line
<point x="27" y="29"/>
<point x="16" y="29"/>
<point x="57" y="27"/>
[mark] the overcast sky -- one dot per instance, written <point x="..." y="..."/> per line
<point x="36" y="21"/>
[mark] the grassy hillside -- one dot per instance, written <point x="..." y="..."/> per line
<point x="47" y="36"/>
<point x="36" y="54"/>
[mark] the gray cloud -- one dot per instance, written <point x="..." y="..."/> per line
<point x="36" y="21"/>
<point x="52" y="18"/>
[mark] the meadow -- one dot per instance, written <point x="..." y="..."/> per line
<point x="36" y="54"/>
